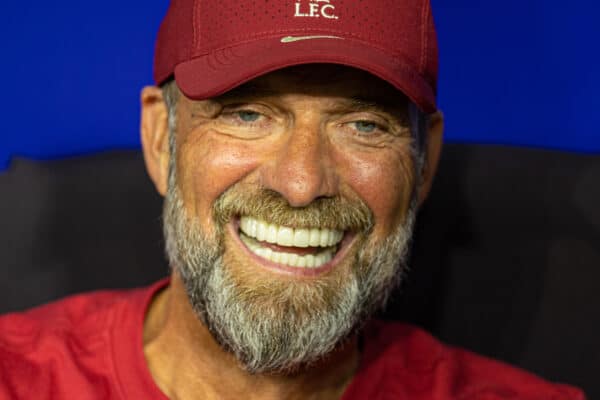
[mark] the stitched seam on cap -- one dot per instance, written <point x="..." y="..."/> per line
<point x="424" y="37"/>
<point x="195" y="11"/>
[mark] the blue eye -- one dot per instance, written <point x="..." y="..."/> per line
<point x="248" y="116"/>
<point x="365" y="126"/>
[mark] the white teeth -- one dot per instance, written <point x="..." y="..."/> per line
<point x="302" y="261"/>
<point x="293" y="260"/>
<point x="276" y="257"/>
<point x="271" y="234"/>
<point x="261" y="232"/>
<point x="286" y="236"/>
<point x="253" y="227"/>
<point x="325" y="238"/>
<point x="314" y="238"/>
<point x="256" y="231"/>
<point x="301" y="237"/>
<point x="283" y="258"/>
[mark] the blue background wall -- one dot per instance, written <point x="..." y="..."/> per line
<point x="512" y="72"/>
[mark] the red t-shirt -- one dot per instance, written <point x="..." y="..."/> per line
<point x="90" y="347"/>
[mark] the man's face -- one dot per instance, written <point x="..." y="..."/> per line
<point x="289" y="209"/>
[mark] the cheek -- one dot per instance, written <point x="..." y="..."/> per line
<point x="207" y="167"/>
<point x="386" y="183"/>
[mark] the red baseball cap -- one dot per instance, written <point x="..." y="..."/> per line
<point x="212" y="46"/>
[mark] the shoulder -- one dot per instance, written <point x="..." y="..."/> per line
<point x="63" y="342"/>
<point x="77" y="316"/>
<point x="414" y="357"/>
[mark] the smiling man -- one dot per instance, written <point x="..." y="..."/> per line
<point x="293" y="149"/>
<point x="278" y="228"/>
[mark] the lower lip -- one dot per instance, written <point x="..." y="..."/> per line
<point x="286" y="269"/>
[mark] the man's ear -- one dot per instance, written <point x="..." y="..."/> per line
<point x="155" y="136"/>
<point x="435" y="136"/>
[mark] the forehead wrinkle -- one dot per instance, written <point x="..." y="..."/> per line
<point x="397" y="107"/>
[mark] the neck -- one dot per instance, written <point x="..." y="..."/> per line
<point x="187" y="363"/>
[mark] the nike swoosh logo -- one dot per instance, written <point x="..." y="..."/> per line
<point x="291" y="39"/>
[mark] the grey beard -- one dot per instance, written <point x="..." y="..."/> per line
<point x="291" y="326"/>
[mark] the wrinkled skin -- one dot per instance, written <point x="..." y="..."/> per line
<point x="306" y="134"/>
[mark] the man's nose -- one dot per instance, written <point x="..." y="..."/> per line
<point x="302" y="168"/>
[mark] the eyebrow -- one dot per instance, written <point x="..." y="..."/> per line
<point x="396" y="106"/>
<point x="364" y="103"/>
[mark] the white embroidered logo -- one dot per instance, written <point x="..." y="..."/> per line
<point x="314" y="9"/>
<point x="291" y="39"/>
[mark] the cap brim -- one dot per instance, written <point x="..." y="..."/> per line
<point x="215" y="73"/>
